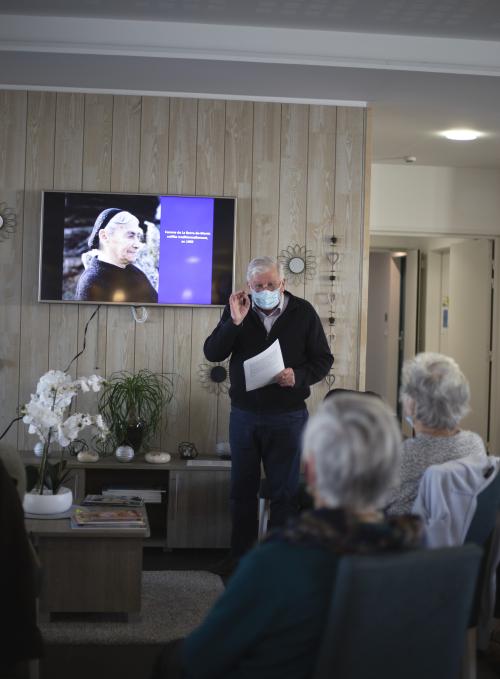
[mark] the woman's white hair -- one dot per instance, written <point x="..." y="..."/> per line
<point x="434" y="390"/>
<point x="260" y="265"/>
<point x="354" y="441"/>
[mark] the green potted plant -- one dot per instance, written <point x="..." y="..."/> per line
<point x="132" y="405"/>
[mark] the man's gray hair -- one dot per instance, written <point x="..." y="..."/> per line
<point x="354" y="440"/>
<point x="435" y="389"/>
<point x="260" y="265"/>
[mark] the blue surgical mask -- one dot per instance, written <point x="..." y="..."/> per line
<point x="409" y="419"/>
<point x="267" y="299"/>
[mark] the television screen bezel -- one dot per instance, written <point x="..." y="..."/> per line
<point x="135" y="193"/>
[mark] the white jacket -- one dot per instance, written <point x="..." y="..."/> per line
<point x="447" y="497"/>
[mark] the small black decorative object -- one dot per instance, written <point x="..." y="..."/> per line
<point x="187" y="450"/>
<point x="218" y="374"/>
<point x="134" y="433"/>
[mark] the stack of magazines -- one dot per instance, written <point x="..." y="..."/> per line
<point x="113" y="500"/>
<point x="111" y="517"/>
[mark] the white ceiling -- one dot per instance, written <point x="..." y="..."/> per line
<point x="422" y="65"/>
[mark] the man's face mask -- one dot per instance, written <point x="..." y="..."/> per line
<point x="266" y="299"/>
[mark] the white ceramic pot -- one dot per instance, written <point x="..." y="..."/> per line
<point x="47" y="503"/>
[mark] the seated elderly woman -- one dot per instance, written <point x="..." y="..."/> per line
<point x="435" y="397"/>
<point x="269" y="621"/>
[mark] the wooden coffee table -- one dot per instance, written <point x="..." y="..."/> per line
<point x="96" y="570"/>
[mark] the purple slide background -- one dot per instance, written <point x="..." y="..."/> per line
<point x="185" y="275"/>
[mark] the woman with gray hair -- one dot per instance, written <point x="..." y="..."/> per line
<point x="435" y="397"/>
<point x="270" y="619"/>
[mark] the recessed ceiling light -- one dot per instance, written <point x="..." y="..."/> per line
<point x="461" y="135"/>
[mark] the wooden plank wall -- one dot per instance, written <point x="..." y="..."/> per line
<point x="298" y="172"/>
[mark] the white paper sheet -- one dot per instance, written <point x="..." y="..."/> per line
<point x="261" y="370"/>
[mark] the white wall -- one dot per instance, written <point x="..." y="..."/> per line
<point x="442" y="200"/>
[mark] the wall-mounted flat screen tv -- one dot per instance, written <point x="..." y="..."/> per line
<point x="136" y="249"/>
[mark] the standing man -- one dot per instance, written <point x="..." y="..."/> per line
<point x="266" y="424"/>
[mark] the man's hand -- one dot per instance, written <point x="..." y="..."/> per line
<point x="286" y="378"/>
<point x="239" y="304"/>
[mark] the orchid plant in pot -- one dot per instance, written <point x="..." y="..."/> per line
<point x="47" y="416"/>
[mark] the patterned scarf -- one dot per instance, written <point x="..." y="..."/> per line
<point x="344" y="532"/>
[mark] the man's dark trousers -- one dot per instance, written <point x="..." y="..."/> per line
<point x="274" y="438"/>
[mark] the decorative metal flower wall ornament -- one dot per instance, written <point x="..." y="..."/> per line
<point x="299" y="264"/>
<point x="8" y="221"/>
<point x="214" y="377"/>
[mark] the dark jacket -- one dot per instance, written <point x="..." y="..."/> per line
<point x="21" y="638"/>
<point x="269" y="621"/>
<point x="303" y="345"/>
<point x="101" y="281"/>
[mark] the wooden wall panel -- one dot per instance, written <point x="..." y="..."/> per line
<point x="348" y="228"/>
<point x="68" y="163"/>
<point x="320" y="209"/>
<point x="293" y="184"/>
<point x="154" y="144"/>
<point x="298" y="172"/>
<point x="266" y="179"/>
<point x="210" y="148"/>
<point x="182" y="147"/>
<point x="238" y="182"/>
<point x="363" y="321"/>
<point x="203" y="402"/>
<point x="238" y="179"/>
<point x="13" y="110"/>
<point x="35" y="316"/>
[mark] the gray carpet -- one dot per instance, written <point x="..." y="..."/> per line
<point x="173" y="604"/>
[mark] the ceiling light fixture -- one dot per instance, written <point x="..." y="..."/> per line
<point x="461" y="135"/>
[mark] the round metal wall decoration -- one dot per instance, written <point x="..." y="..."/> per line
<point x="8" y="221"/>
<point x="214" y="377"/>
<point x="298" y="263"/>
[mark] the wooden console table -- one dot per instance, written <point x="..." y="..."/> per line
<point x="96" y="570"/>
<point x="194" y="512"/>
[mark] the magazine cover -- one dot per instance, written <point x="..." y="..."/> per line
<point x="85" y="516"/>
<point x="113" y="500"/>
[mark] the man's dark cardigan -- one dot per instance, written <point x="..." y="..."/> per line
<point x="303" y="345"/>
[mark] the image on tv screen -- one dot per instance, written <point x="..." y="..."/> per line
<point x="137" y="248"/>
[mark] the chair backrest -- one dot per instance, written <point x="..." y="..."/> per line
<point x="484" y="519"/>
<point x="399" y="615"/>
<point x="481" y="532"/>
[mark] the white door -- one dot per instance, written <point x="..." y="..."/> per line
<point x="411" y="293"/>
<point x="469" y="323"/>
